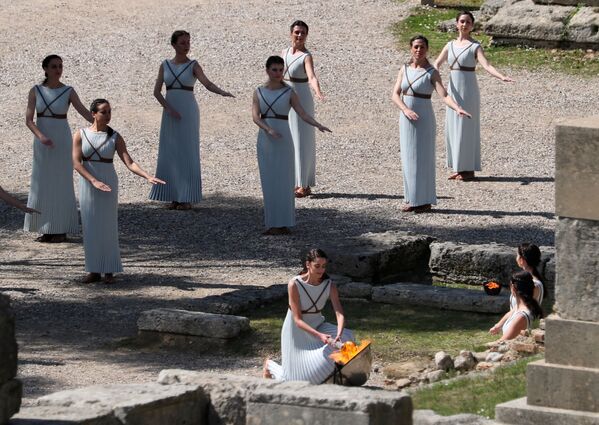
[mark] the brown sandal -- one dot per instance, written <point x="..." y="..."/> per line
<point x="108" y="278"/>
<point x="45" y="238"/>
<point x="92" y="278"/>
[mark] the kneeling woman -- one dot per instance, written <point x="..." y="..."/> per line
<point x="306" y="339"/>
<point x="93" y="152"/>
<point x="270" y="109"/>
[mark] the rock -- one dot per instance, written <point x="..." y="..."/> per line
<point x="11" y="393"/>
<point x="440" y="297"/>
<point x="484" y="366"/>
<point x="242" y="299"/>
<point x="402" y="383"/>
<point x="403" y="369"/>
<point x="510" y="356"/>
<point x="429" y="417"/>
<point x="538" y="335"/>
<point x="464" y="361"/>
<point x="443" y="361"/>
<point x="489" y="8"/>
<point x="542" y="324"/>
<point x="524" y="347"/>
<point x="355" y="290"/>
<point x="494" y="357"/>
<point x="435" y="375"/>
<point x="192" y="323"/>
<point x="10" y="389"/>
<point x="503" y="348"/>
<point x="481" y="357"/>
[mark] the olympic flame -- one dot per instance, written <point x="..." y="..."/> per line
<point x="348" y="351"/>
<point x="492" y="285"/>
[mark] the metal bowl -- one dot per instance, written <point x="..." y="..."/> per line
<point x="491" y="291"/>
<point x="355" y="372"/>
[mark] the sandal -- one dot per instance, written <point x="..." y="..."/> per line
<point x="183" y="206"/>
<point x="108" y="278"/>
<point x="407" y="208"/>
<point x="172" y="206"/>
<point x="58" y="238"/>
<point x="453" y="176"/>
<point x="274" y="231"/>
<point x="423" y="208"/>
<point x="91" y="278"/>
<point x="302" y="192"/>
<point x="45" y="238"/>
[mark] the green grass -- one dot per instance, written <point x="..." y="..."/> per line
<point x="477" y="395"/>
<point x="424" y="21"/>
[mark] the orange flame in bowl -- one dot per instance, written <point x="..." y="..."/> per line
<point x="492" y="285"/>
<point x="348" y="351"/>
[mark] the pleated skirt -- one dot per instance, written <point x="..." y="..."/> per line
<point x="276" y="165"/>
<point x="303" y="356"/>
<point x="52" y="190"/>
<point x="304" y="139"/>
<point x="417" y="145"/>
<point x="462" y="135"/>
<point x="179" y="152"/>
<point x="99" y="217"/>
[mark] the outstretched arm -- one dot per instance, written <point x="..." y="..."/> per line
<point x="121" y="150"/>
<point x="334" y="295"/>
<point x="296" y="310"/>
<point x="440" y="88"/>
<point x="482" y="59"/>
<point x="10" y="200"/>
<point x="396" y="98"/>
<point x="210" y="86"/>
<point x="312" y="80"/>
<point x="83" y="111"/>
<point x="297" y="106"/>
<point x="29" y="121"/>
<point x="78" y="166"/>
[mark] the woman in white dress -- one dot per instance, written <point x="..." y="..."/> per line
<point x="417" y="127"/>
<point x="52" y="190"/>
<point x="271" y="106"/>
<point x="527" y="308"/>
<point x="306" y="339"/>
<point x="93" y="153"/>
<point x="179" y="149"/>
<point x="462" y="137"/>
<point x="299" y="74"/>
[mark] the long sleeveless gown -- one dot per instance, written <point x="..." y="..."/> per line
<point x="462" y="136"/>
<point x="52" y="190"/>
<point x="304" y="357"/>
<point x="417" y="138"/>
<point x="275" y="158"/>
<point x="179" y="149"/>
<point x="99" y="210"/>
<point x="303" y="134"/>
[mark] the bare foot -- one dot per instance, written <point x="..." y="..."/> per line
<point x="265" y="372"/>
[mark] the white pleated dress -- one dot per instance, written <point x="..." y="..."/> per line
<point x="462" y="136"/>
<point x="304" y="357"/>
<point x="99" y="210"/>
<point x="303" y="134"/>
<point x="179" y="149"/>
<point x="417" y="138"/>
<point x="275" y="158"/>
<point x="52" y="192"/>
<point x="538" y="285"/>
<point x="526" y="313"/>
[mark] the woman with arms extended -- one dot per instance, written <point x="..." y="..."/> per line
<point x="93" y="153"/>
<point x="179" y="150"/>
<point x="462" y="137"/>
<point x="51" y="190"/>
<point x="271" y="105"/>
<point x="14" y="202"/>
<point x="299" y="74"/>
<point x="417" y="126"/>
<point x="306" y="339"/>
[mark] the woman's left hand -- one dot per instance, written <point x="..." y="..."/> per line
<point x="508" y="80"/>
<point x="226" y="94"/>
<point x="324" y="129"/>
<point x="155" y="180"/>
<point x="463" y="113"/>
<point x="320" y="97"/>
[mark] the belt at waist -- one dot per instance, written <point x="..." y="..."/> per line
<point x="55" y="116"/>
<point x="414" y="94"/>
<point x="276" y="116"/>
<point x="105" y="160"/>
<point x="464" y="68"/>
<point x="297" y="80"/>
<point x="308" y="312"/>
<point x="188" y="88"/>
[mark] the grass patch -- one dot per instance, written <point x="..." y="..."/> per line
<point x="424" y="20"/>
<point x="477" y="395"/>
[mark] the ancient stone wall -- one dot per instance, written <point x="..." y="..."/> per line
<point x="10" y="388"/>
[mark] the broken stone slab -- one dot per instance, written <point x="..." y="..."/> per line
<point x="494" y="357"/>
<point x="382" y="257"/>
<point x="429" y="417"/>
<point x="355" y="290"/>
<point x="443" y="361"/>
<point x="435" y="375"/>
<point x="242" y="299"/>
<point x="327" y="405"/>
<point x="192" y="323"/>
<point x="404" y="369"/>
<point x="440" y="297"/>
<point x="65" y="415"/>
<point x="579" y="3"/>
<point x="10" y="399"/>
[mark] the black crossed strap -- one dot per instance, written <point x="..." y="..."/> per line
<point x="313" y="307"/>
<point x="176" y="80"/>
<point x="460" y="67"/>
<point x="100" y="157"/>
<point x="47" y="108"/>
<point x="410" y="84"/>
<point x="270" y="106"/>
<point x="286" y="71"/>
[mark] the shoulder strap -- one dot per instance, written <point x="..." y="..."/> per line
<point x="455" y="60"/>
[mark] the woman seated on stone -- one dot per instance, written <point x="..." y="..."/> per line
<point x="527" y="308"/>
<point x="306" y="339"/>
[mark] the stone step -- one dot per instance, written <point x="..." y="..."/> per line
<point x="571" y="342"/>
<point x="518" y="412"/>
<point x="440" y="297"/>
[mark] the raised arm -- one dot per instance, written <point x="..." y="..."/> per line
<point x="440" y="89"/>
<point x="297" y="106"/>
<point x="296" y="310"/>
<point x="442" y="58"/>
<point x="396" y="98"/>
<point x="484" y="62"/>
<point x="121" y="150"/>
<point x="259" y="121"/>
<point x="83" y="111"/>
<point x="210" y="86"/>
<point x="78" y="165"/>
<point x="29" y="113"/>
<point x="334" y="296"/>
<point x="312" y="80"/>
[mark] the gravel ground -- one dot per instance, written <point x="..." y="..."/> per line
<point x="173" y="258"/>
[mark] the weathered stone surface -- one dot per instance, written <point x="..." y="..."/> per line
<point x="242" y="299"/>
<point x="572" y="342"/>
<point x="524" y="347"/>
<point x="443" y="361"/>
<point x="435" y="375"/>
<point x="429" y="417"/>
<point x="569" y="2"/>
<point x="382" y="257"/>
<point x="8" y="343"/>
<point x="403" y="383"/>
<point x="538" y="335"/>
<point x="547" y="269"/>
<point x="490" y="8"/>
<point x="493" y="357"/>
<point x="10" y="399"/>
<point x="576" y="292"/>
<point x="484" y="365"/>
<point x="355" y="290"/>
<point x="65" y="415"/>
<point x="583" y="27"/>
<point x="464" y="361"/>
<point x="403" y="369"/>
<point x="440" y="297"/>
<point x="520" y="413"/>
<point x="481" y="356"/>
<point x="192" y="323"/>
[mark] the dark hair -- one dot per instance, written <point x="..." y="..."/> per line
<point x="532" y="255"/>
<point x="312" y="255"/>
<point x="94" y="108"/>
<point x="419" y="37"/>
<point x="524" y="286"/>
<point x="464" y="12"/>
<point x="299" y="23"/>
<point x="46" y="63"/>
<point x="274" y="60"/>
<point x="175" y="36"/>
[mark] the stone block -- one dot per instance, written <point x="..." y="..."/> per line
<point x="472" y="264"/>
<point x="303" y="404"/>
<point x="8" y="343"/>
<point x="355" y="290"/>
<point x="65" y="415"/>
<point x="435" y="375"/>
<point x="440" y="297"/>
<point x="429" y="417"/>
<point x="576" y="292"/>
<point x="576" y="170"/>
<point x="520" y="413"/>
<point x="465" y="361"/>
<point x="241" y="299"/>
<point x="582" y="28"/>
<point x="10" y="399"/>
<point x="405" y="369"/>
<point x="569" y="2"/>
<point x="192" y="323"/>
<point x="382" y="257"/>
<point x="572" y="342"/>
<point x="563" y="387"/>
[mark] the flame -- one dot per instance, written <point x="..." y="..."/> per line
<point x="348" y="351"/>
<point x="492" y="285"/>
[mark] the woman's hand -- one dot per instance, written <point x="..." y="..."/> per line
<point x="411" y="115"/>
<point x="173" y="113"/>
<point x="155" y="180"/>
<point x="26" y="209"/>
<point x="324" y="338"/>
<point x="463" y="113"/>
<point x="495" y="329"/>
<point x="323" y="129"/>
<point x="507" y="80"/>
<point x="46" y="141"/>
<point x="101" y="186"/>
<point x="273" y="133"/>
<point x="226" y="94"/>
<point x="320" y="97"/>
<point x="337" y="339"/>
